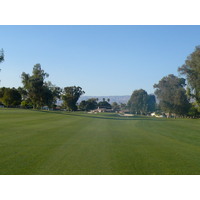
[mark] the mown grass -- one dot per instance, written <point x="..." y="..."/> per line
<point x="34" y="142"/>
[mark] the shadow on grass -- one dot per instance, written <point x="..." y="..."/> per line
<point x="101" y="116"/>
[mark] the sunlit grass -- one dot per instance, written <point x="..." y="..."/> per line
<point x="34" y="142"/>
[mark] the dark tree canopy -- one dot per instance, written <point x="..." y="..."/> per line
<point x="2" y="90"/>
<point x="22" y="92"/>
<point x="55" y="92"/>
<point x="151" y="103"/>
<point x="83" y="105"/>
<point x="191" y="69"/>
<point x="138" y="102"/>
<point x="10" y="97"/>
<point x="172" y="95"/>
<point x="104" y="104"/>
<point x="70" y="97"/>
<point x="90" y="104"/>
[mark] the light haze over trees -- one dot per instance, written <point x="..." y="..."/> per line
<point x="115" y="106"/>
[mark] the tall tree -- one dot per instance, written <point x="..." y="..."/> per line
<point x="138" y="102"/>
<point x="34" y="85"/>
<point x="191" y="69"/>
<point x="172" y="95"/>
<point x="70" y="97"/>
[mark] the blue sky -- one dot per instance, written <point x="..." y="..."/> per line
<point x="103" y="60"/>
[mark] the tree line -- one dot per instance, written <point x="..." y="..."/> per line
<point x="173" y="95"/>
<point x="37" y="93"/>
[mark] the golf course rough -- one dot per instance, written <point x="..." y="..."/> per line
<point x="42" y="142"/>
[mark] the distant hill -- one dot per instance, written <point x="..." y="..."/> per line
<point x="118" y="99"/>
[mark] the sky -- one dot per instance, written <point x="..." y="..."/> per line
<point x="103" y="60"/>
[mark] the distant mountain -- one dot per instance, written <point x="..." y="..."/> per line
<point x="118" y="99"/>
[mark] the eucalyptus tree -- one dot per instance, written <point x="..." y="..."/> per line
<point x="138" y="102"/>
<point x="70" y="96"/>
<point x="172" y="96"/>
<point x="191" y="69"/>
<point x="37" y="91"/>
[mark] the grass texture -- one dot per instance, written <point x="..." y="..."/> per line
<point x="58" y="143"/>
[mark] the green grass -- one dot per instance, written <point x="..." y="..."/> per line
<point x="34" y="142"/>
